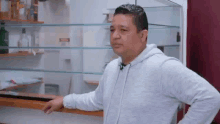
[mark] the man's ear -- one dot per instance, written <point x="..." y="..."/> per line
<point x="143" y="35"/>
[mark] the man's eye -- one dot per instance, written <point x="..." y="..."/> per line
<point x="123" y="30"/>
<point x="111" y="30"/>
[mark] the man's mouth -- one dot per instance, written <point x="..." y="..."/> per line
<point x="116" y="45"/>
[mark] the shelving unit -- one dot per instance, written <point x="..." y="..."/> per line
<point x="79" y="65"/>
<point x="164" y="30"/>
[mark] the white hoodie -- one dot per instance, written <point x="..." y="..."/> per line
<point x="149" y="91"/>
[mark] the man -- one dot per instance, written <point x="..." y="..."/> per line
<point x="143" y="86"/>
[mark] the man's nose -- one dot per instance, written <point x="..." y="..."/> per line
<point x="115" y="35"/>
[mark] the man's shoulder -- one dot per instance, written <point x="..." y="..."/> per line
<point x="158" y="60"/>
<point x="112" y="64"/>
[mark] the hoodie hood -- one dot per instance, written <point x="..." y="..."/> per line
<point x="150" y="50"/>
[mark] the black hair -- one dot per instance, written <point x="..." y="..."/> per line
<point x="138" y="14"/>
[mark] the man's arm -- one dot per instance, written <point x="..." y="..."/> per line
<point x="180" y="82"/>
<point x="88" y="101"/>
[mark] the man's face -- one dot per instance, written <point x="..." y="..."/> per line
<point x="124" y="36"/>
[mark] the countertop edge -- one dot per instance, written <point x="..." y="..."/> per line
<point x="34" y="104"/>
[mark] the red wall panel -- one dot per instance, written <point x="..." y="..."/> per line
<point x="203" y="40"/>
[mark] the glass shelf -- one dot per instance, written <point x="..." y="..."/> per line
<point x="55" y="25"/>
<point x="168" y="45"/>
<point x="41" y="70"/>
<point x="83" y="60"/>
<point x="159" y="26"/>
<point x="76" y="48"/>
<point x="151" y="25"/>
<point x="162" y="7"/>
<point x="151" y="7"/>
<point x="72" y="48"/>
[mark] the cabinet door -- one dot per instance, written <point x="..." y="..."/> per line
<point x="112" y="4"/>
<point x="159" y="3"/>
<point x="154" y="3"/>
<point x="172" y="51"/>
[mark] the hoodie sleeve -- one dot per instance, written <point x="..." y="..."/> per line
<point x="91" y="101"/>
<point x="179" y="82"/>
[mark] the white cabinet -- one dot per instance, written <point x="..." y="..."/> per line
<point x="172" y="51"/>
<point x="87" y="53"/>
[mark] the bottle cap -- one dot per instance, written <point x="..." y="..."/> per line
<point x="23" y="30"/>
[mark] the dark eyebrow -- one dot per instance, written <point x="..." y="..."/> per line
<point x="122" y="26"/>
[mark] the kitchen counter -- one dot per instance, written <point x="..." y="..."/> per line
<point x="36" y="101"/>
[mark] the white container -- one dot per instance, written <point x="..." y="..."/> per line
<point x="24" y="41"/>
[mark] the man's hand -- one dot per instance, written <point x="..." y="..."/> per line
<point x="53" y="105"/>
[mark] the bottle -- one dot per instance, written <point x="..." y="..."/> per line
<point x="14" y="9"/>
<point x="4" y="39"/>
<point x="29" y="4"/>
<point x="36" y="41"/>
<point x="178" y="37"/>
<point x="24" y="41"/>
<point x="31" y="15"/>
<point x="23" y="10"/>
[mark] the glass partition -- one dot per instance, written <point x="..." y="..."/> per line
<point x="67" y="47"/>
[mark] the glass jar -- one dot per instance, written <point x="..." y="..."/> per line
<point x="24" y="41"/>
<point x="5" y="9"/>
